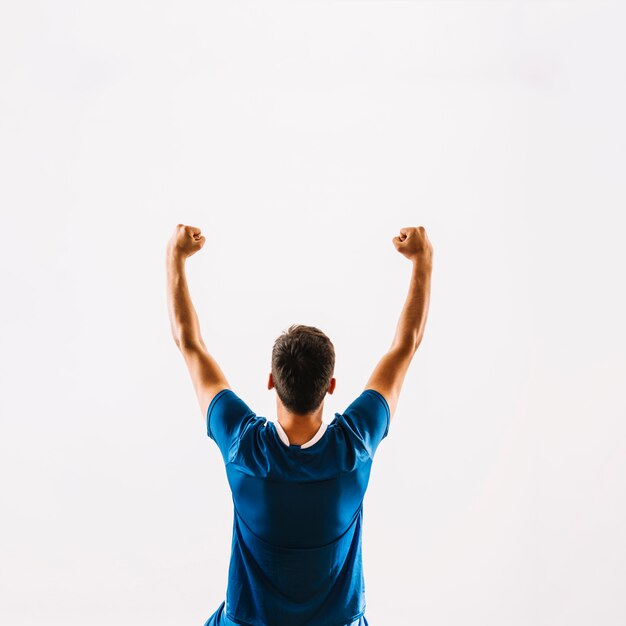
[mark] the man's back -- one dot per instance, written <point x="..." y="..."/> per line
<point x="296" y="549"/>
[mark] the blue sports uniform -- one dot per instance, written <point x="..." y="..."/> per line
<point x="298" y="512"/>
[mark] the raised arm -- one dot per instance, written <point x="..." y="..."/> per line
<point x="388" y="375"/>
<point x="206" y="375"/>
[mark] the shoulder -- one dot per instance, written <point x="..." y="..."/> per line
<point x="366" y="419"/>
<point x="368" y="399"/>
<point x="227" y="415"/>
<point x="219" y="394"/>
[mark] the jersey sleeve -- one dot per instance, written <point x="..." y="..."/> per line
<point x="227" y="416"/>
<point x="367" y="418"/>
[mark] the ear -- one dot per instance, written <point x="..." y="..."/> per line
<point x="270" y="382"/>
<point x="331" y="387"/>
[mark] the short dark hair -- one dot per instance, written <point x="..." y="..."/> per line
<point x="303" y="363"/>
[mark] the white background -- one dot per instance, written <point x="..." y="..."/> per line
<point x="300" y="137"/>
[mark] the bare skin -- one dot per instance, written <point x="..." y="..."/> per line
<point x="206" y="375"/>
<point x="388" y="375"/>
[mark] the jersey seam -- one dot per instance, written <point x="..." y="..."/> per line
<point x="359" y="511"/>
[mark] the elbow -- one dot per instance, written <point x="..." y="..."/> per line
<point x="188" y="342"/>
<point x="177" y="341"/>
<point x="409" y="345"/>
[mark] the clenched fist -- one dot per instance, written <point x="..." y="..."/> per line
<point x="185" y="241"/>
<point x="414" y="244"/>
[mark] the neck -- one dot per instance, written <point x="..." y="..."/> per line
<point x="299" y="428"/>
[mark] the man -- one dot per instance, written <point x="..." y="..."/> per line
<point x="298" y="483"/>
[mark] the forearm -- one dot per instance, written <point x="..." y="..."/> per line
<point x="412" y="322"/>
<point x="183" y="318"/>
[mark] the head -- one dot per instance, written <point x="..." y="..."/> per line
<point x="303" y="363"/>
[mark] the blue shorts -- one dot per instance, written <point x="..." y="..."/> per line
<point x="219" y="619"/>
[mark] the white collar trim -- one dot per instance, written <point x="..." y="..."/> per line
<point x="316" y="437"/>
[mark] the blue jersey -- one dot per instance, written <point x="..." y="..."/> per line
<point x="298" y="513"/>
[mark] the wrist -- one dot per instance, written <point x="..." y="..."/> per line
<point x="422" y="265"/>
<point x="174" y="256"/>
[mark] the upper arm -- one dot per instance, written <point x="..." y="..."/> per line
<point x="388" y="375"/>
<point x="206" y="375"/>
